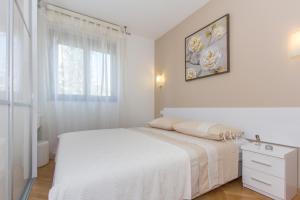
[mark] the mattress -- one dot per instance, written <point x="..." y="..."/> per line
<point x="140" y="163"/>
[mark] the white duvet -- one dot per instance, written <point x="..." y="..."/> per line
<point x="119" y="164"/>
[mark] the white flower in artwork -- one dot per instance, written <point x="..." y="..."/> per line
<point x="195" y="44"/>
<point x="218" y="32"/>
<point x="191" y="73"/>
<point x="210" y="57"/>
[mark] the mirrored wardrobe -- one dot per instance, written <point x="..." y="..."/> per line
<point x="15" y="98"/>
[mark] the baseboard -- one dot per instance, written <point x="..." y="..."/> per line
<point x="27" y="190"/>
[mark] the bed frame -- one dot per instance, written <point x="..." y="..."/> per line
<point x="274" y="125"/>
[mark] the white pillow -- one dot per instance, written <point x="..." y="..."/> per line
<point x="208" y="130"/>
<point x="164" y="123"/>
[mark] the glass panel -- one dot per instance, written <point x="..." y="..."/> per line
<point x="21" y="115"/>
<point x="70" y="72"/>
<point x="21" y="150"/>
<point x="100" y="74"/>
<point x="25" y="9"/>
<point x="3" y="67"/>
<point x="3" y="108"/>
<point x="3" y="55"/>
<point x="22" y="91"/>
<point x="3" y="151"/>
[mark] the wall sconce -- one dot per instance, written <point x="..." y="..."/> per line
<point x="160" y="80"/>
<point x="295" y="45"/>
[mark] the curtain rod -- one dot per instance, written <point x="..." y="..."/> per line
<point x="87" y="17"/>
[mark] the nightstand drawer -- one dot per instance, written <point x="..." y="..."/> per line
<point x="267" y="164"/>
<point x="262" y="182"/>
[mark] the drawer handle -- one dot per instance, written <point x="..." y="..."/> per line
<point x="257" y="180"/>
<point x="261" y="163"/>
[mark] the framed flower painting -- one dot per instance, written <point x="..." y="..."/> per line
<point x="207" y="50"/>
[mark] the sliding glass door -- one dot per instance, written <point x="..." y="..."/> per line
<point x="15" y="98"/>
<point x="4" y="101"/>
<point x="3" y="152"/>
<point x="21" y="101"/>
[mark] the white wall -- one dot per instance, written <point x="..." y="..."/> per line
<point x="139" y="81"/>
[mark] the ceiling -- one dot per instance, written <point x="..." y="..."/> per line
<point x="148" y="18"/>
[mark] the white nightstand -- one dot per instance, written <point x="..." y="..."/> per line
<point x="270" y="172"/>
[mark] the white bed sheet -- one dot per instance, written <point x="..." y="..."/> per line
<point x="115" y="164"/>
<point x="106" y="164"/>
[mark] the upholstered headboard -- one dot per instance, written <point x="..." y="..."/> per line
<point x="275" y="125"/>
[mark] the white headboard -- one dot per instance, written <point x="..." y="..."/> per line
<point x="274" y="125"/>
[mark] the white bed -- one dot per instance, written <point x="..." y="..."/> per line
<point x="140" y="164"/>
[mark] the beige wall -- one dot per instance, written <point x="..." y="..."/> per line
<point x="261" y="74"/>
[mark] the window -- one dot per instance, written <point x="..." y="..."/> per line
<point x="82" y="74"/>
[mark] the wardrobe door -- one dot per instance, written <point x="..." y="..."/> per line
<point x="3" y="51"/>
<point x="21" y="67"/>
<point x="3" y="152"/>
<point x="24" y="7"/>
<point x="4" y="103"/>
<point x="21" y="150"/>
<point x="21" y="104"/>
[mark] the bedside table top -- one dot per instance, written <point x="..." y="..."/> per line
<point x="278" y="151"/>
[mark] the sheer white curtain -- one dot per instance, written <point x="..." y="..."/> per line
<point x="80" y="78"/>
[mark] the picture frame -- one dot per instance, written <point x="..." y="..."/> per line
<point x="207" y="51"/>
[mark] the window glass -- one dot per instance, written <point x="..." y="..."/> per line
<point x="100" y="74"/>
<point x="70" y="72"/>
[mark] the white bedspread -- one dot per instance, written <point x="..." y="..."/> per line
<point x="119" y="164"/>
